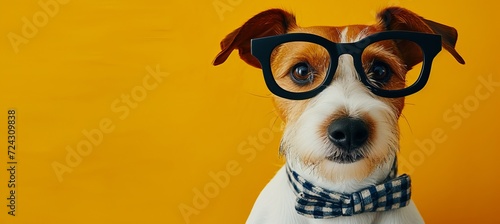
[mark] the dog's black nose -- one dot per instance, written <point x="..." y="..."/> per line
<point x="348" y="133"/>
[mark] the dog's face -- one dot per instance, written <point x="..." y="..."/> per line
<point x="345" y="131"/>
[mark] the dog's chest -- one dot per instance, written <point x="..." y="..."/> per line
<point x="276" y="205"/>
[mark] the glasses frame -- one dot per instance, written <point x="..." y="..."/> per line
<point x="262" y="48"/>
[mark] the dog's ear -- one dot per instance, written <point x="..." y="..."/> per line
<point x="267" y="23"/>
<point x="396" y="18"/>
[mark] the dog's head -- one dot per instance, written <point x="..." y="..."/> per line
<point x="345" y="124"/>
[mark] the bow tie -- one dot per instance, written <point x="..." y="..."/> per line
<point x="319" y="203"/>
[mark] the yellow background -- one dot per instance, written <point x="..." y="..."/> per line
<point x="66" y="78"/>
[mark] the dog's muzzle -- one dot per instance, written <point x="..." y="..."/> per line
<point x="348" y="135"/>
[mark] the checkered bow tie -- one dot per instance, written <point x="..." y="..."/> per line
<point x="319" y="203"/>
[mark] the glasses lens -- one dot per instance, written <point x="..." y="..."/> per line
<point x="392" y="64"/>
<point x="299" y="66"/>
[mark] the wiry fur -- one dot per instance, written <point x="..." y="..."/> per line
<point x="306" y="147"/>
<point x="305" y="142"/>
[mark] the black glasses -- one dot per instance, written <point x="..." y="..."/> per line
<point x="383" y="62"/>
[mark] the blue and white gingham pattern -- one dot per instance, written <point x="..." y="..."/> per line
<point x="319" y="203"/>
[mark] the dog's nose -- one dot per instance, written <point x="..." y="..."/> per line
<point x="348" y="133"/>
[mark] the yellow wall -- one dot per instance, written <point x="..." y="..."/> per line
<point x="69" y="76"/>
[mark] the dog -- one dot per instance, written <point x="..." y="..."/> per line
<point x="340" y="91"/>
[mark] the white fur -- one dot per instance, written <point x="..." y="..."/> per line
<point x="275" y="205"/>
<point x="303" y="139"/>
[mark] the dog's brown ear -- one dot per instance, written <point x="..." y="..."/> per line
<point x="267" y="23"/>
<point x="396" y="18"/>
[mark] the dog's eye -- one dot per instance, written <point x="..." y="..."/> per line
<point x="380" y="72"/>
<point x="302" y="73"/>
